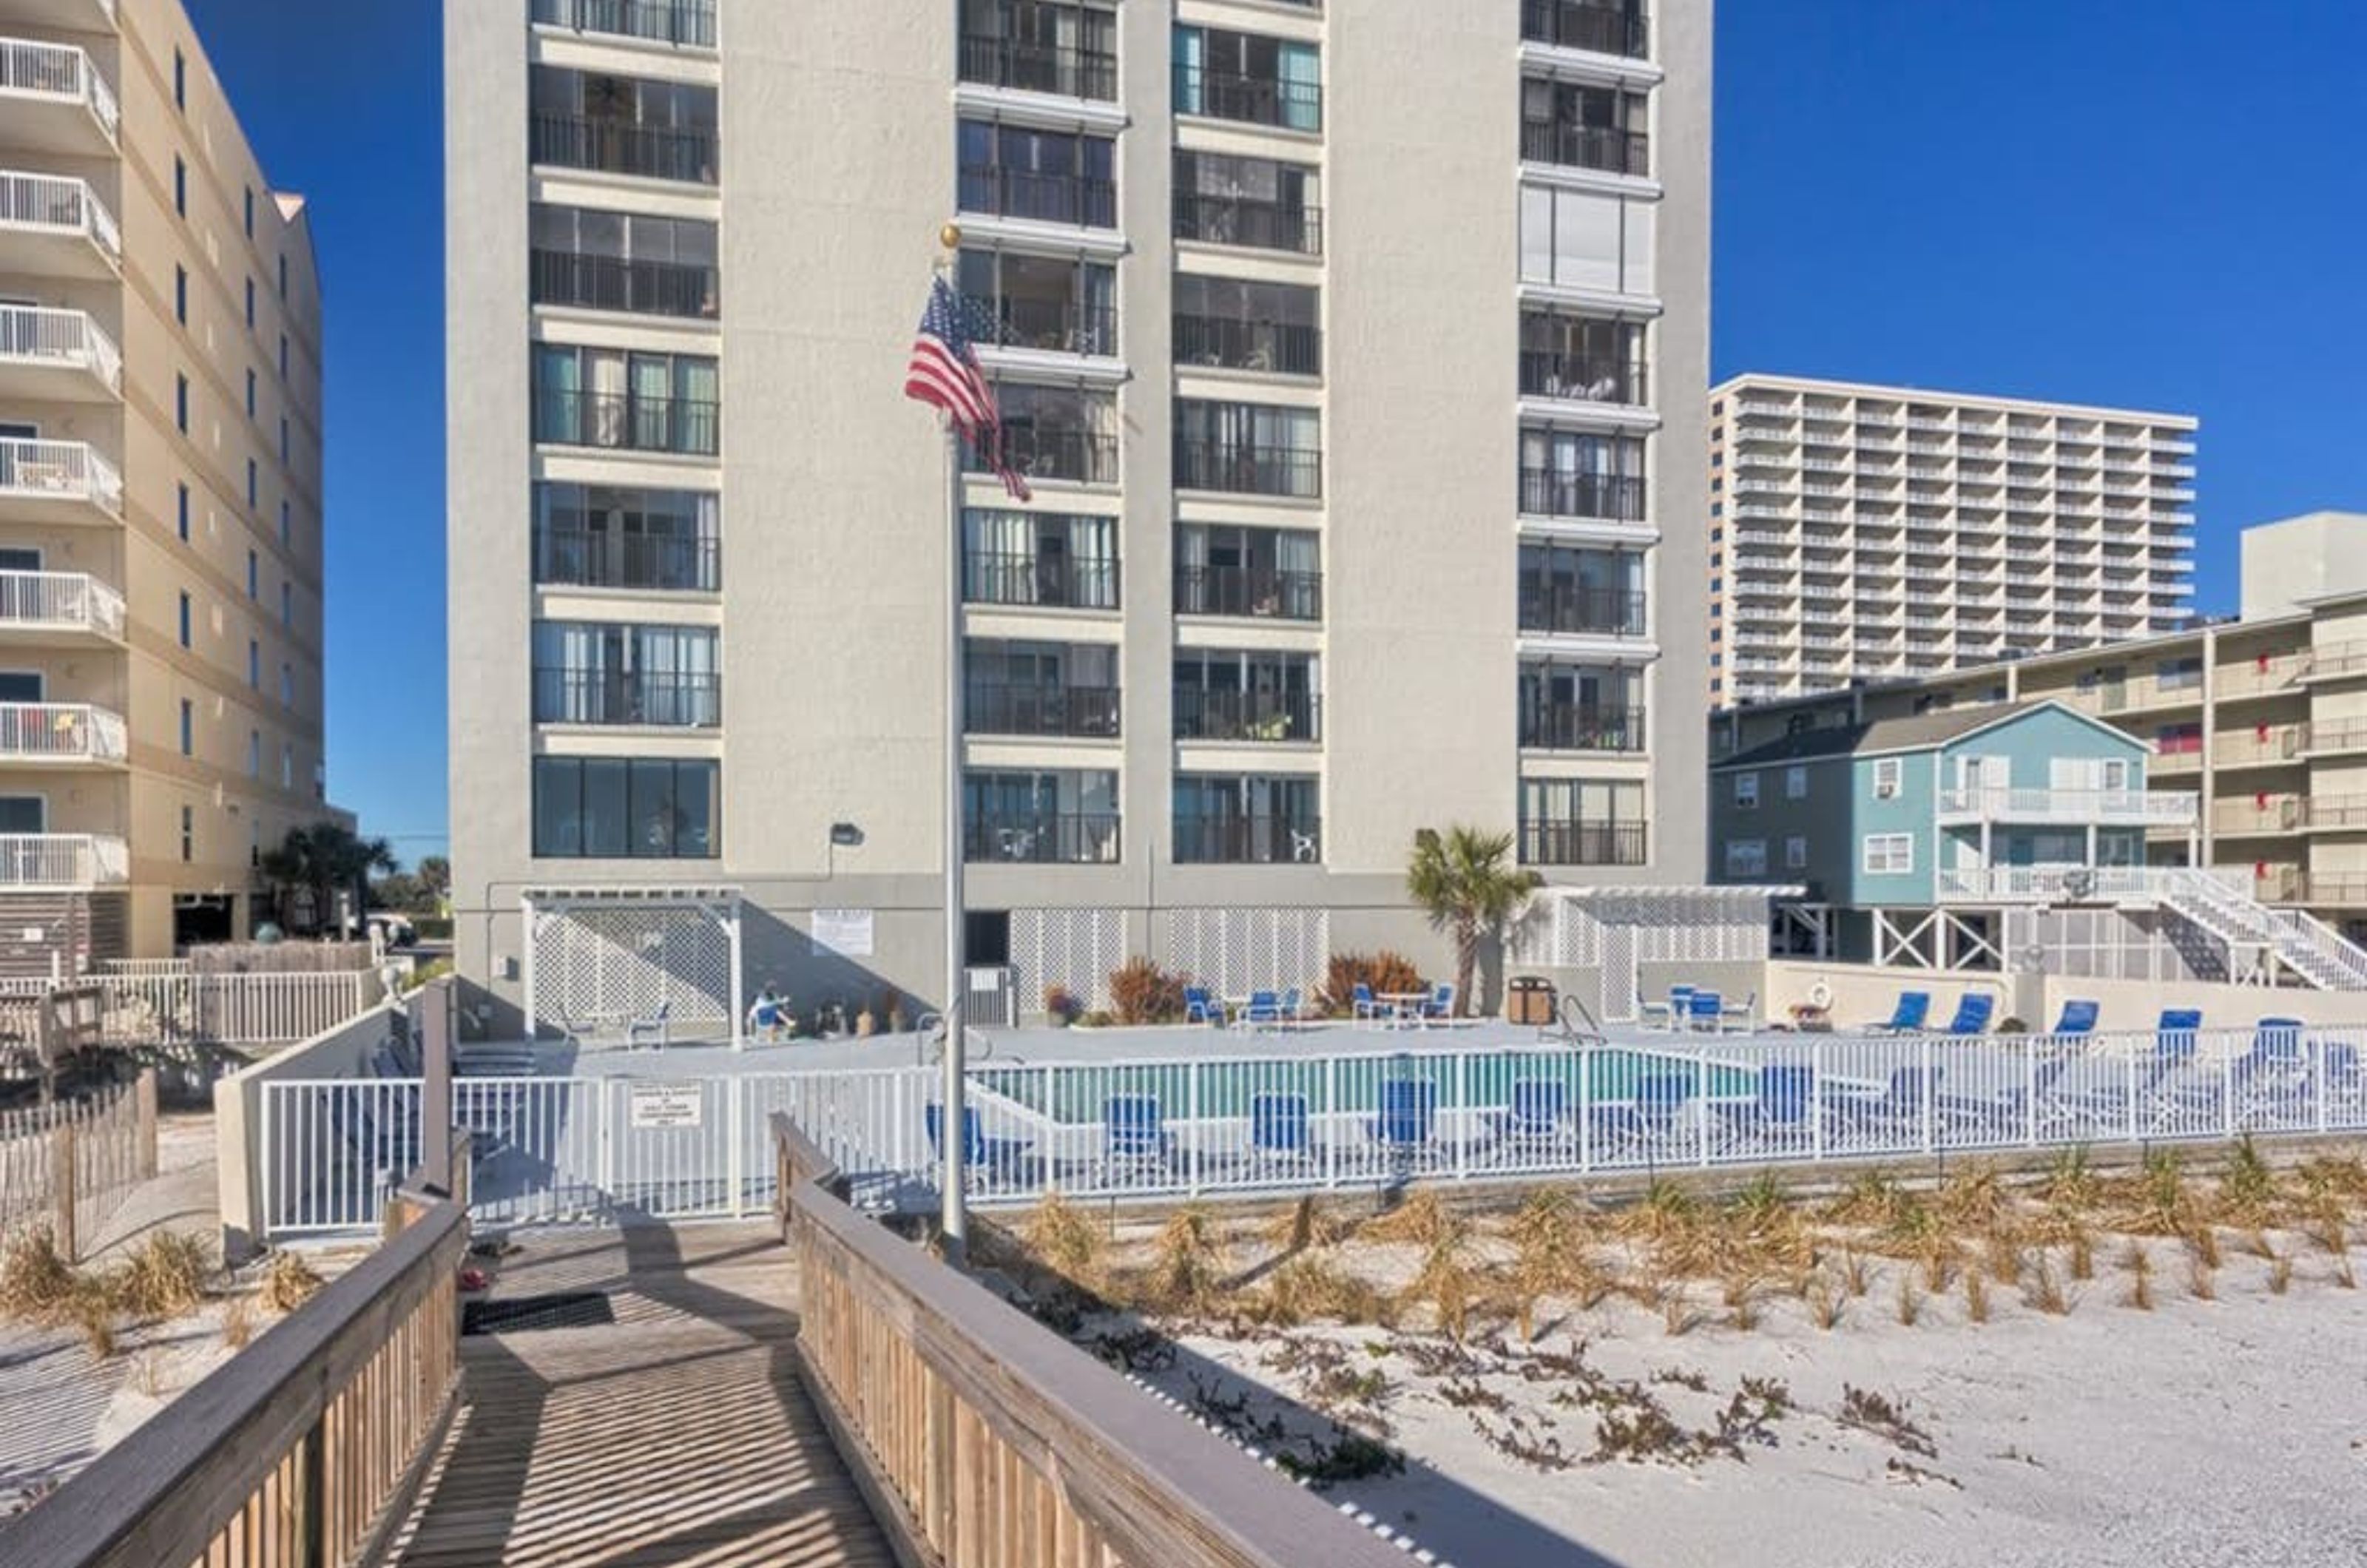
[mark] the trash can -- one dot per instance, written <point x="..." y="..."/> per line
<point x="1529" y="1001"/>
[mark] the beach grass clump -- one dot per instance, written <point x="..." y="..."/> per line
<point x="164" y="1277"/>
<point x="2138" y="1263"/>
<point x="288" y="1283"/>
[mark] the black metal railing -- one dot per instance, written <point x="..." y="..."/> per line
<point x="615" y="147"/>
<point x="1260" y="716"/>
<point x="611" y="283"/>
<point x="1549" y="493"/>
<point x="690" y="22"/>
<point x="1056" y="324"/>
<point x="993" y="577"/>
<point x="1247" y="470"/>
<point x="1545" y="374"/>
<point x="1243" y="221"/>
<point x="1044" y="839"/>
<point x="1582" y="843"/>
<point x="1252" y="590"/>
<point x="1039" y="68"/>
<point x="581" y="558"/>
<point x="627" y="422"/>
<point x="1248" y="841"/>
<point x="993" y="708"/>
<point x="1569" y="608"/>
<point x="1047" y="199"/>
<point x="566" y="696"/>
<point x="1254" y="100"/>
<point x="1248" y="345"/>
<point x="1569" y="726"/>
<point x="1589" y="25"/>
<point x="1601" y="147"/>
<point x="1075" y="455"/>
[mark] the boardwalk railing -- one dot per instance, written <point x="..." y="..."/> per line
<point x="983" y="1439"/>
<point x="301" y="1451"/>
<point x="71" y="1163"/>
<point x="166" y="1007"/>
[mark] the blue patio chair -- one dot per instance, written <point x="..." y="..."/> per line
<point x="386" y="1144"/>
<point x="1264" y="1007"/>
<point x="1136" y="1135"/>
<point x="1901" y="1109"/>
<point x="1705" y="1009"/>
<point x="2344" y="1079"/>
<point x="1973" y="1010"/>
<point x="1293" y="1008"/>
<point x="1200" y="1007"/>
<point x="1672" y="1013"/>
<point x="1280" y="1137"/>
<point x="1742" y="1015"/>
<point x="1440" y="1007"/>
<point x="2079" y="1017"/>
<point x="1535" y="1117"/>
<point x="1653" y="1124"/>
<point x="988" y="1162"/>
<point x="387" y="1063"/>
<point x="1908" y="1017"/>
<point x="1408" y="1121"/>
<point x="657" y="1028"/>
<point x="1363" y="1004"/>
<point x="1781" y="1117"/>
<point x="2270" y="1082"/>
<point x="2159" y="1095"/>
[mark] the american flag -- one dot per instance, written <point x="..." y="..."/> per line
<point x="945" y="374"/>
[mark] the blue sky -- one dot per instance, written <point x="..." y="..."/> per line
<point x="2156" y="204"/>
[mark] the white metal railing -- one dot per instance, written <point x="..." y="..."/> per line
<point x="64" y="860"/>
<point x="60" y="467"/>
<point x="177" y="1007"/>
<point x="66" y="338"/>
<point x="61" y="599"/>
<point x="61" y="733"/>
<point x="2155" y="808"/>
<point x="62" y="70"/>
<point x="2027" y="883"/>
<point x="58" y="201"/>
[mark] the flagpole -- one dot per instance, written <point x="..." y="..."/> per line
<point x="954" y="1134"/>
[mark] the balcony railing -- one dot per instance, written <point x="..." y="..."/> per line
<point x="1598" y="147"/>
<point x="1248" y="841"/>
<point x="616" y="146"/>
<point x="583" y="559"/>
<point x="1248" y="345"/>
<point x="70" y="469"/>
<point x="2331" y="890"/>
<point x="68" y="339"/>
<point x="1243" y="221"/>
<point x="1054" y="324"/>
<point x="1262" y="717"/>
<point x="1568" y="727"/>
<point x="566" y="696"/>
<point x="686" y="22"/>
<point x="2049" y="883"/>
<point x="1578" y="24"/>
<point x="59" y="70"/>
<point x="627" y="422"/>
<point x="1249" y="470"/>
<point x="1548" y="374"/>
<point x="1053" y="582"/>
<point x="1045" y="198"/>
<point x="611" y="283"/>
<point x="999" y="709"/>
<point x="61" y="733"/>
<point x="61" y="600"/>
<point x="1078" y="456"/>
<point x="63" y="860"/>
<point x="1584" y="612"/>
<point x="1546" y="493"/>
<point x="1062" y="839"/>
<point x="59" y="203"/>
<point x="1582" y="843"/>
<point x="2110" y="808"/>
<point x="1249" y="590"/>
<point x="1039" y="68"/>
<point x="1253" y="100"/>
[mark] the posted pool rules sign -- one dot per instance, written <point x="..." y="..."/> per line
<point x="666" y="1104"/>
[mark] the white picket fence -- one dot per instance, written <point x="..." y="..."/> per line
<point x="553" y="1150"/>
<point x="175" y="1007"/>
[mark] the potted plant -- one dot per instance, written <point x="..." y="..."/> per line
<point x="1062" y="1006"/>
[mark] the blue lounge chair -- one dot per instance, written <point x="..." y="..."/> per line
<point x="1781" y="1118"/>
<point x="1705" y="1009"/>
<point x="1535" y="1118"/>
<point x="988" y="1162"/>
<point x="1280" y="1138"/>
<point x="1407" y="1120"/>
<point x="2079" y="1017"/>
<point x="1363" y="1004"/>
<point x="1200" y="1007"/>
<point x="1672" y="1013"/>
<point x="2270" y="1082"/>
<point x="1900" y="1109"/>
<point x="1440" y="1007"/>
<point x="1973" y="1013"/>
<point x="1293" y="1008"/>
<point x="1137" y="1135"/>
<point x="1264" y="1007"/>
<point x="2343" y="1083"/>
<point x="1653" y="1125"/>
<point x="1908" y="1017"/>
<point x="2159" y="1097"/>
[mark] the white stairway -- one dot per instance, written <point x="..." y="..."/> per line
<point x="2259" y="939"/>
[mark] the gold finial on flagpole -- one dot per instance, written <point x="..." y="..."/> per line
<point x="949" y="237"/>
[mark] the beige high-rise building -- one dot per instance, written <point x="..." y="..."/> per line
<point x="1360" y="373"/>
<point x="160" y="494"/>
<point x="1865" y="533"/>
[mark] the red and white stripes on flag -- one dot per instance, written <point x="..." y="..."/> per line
<point x="945" y="374"/>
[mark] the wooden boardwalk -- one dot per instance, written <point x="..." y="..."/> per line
<point x="677" y="1434"/>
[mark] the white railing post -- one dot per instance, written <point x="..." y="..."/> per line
<point x="1700" y="1104"/>
<point x="735" y="1116"/>
<point x="1332" y="1109"/>
<point x="1924" y="1093"/>
<point x="2030" y="1089"/>
<point x="1463" y="1109"/>
<point x="1817" y="1098"/>
<point x="1194" y="1073"/>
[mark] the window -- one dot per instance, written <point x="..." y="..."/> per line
<point x="254" y="485"/>
<point x="181" y="404"/>
<point x="254" y="663"/>
<point x="250" y="304"/>
<point x="1043" y="47"/>
<point x="1886" y="777"/>
<point x="180" y="186"/>
<point x="1248" y="448"/>
<point x="1795" y="853"/>
<point x="1586" y="240"/>
<point x="1248" y="77"/>
<point x="181" y="513"/>
<point x="1054" y="176"/>
<point x="24" y="814"/>
<point x="1746" y="857"/>
<point x="2179" y="674"/>
<point x="621" y="536"/>
<point x="1746" y="794"/>
<point x="1224" y="570"/>
<point x="1257" y="203"/>
<point x="181" y="294"/>
<point x="187" y="619"/>
<point x="1583" y="822"/>
<point x="288" y="686"/>
<point x="283" y="441"/>
<point x="590" y="672"/>
<point x="188" y="729"/>
<point x="1039" y="688"/>
<point x="250" y="212"/>
<point x="180" y="80"/>
<point x="608" y="398"/>
<point x="1256" y="820"/>
<point x="283" y="356"/>
<point x="612" y="808"/>
<point x="1571" y="473"/>
<point x="1018" y="558"/>
<point x="287" y="521"/>
<point x="620" y="261"/>
<point x="189" y="830"/>
<point x="250" y="393"/>
<point x="1889" y="854"/>
<point x="254" y="575"/>
<point x="1581" y="588"/>
<point x="283" y="277"/>
<point x="1242" y="325"/>
<point x="1249" y="696"/>
<point x="255" y="753"/>
<point x="1584" y="126"/>
<point x="624" y="125"/>
<point x="1795" y="782"/>
<point x="287" y="766"/>
<point x="287" y="603"/>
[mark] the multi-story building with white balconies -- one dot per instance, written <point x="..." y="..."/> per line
<point x="160" y="494"/>
<point x="1865" y="533"/>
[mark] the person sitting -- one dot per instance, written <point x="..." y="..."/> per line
<point x="768" y="1016"/>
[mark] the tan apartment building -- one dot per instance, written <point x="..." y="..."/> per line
<point x="1357" y="372"/>
<point x="1870" y="533"/>
<point x="160" y="494"/>
<point x="2264" y="716"/>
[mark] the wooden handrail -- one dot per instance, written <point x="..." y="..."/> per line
<point x="295" y="1451"/>
<point x="1000" y="1444"/>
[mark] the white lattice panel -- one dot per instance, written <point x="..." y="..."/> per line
<point x="1074" y="949"/>
<point x="1687" y="927"/>
<point x="626" y="961"/>
<point x="1234" y="952"/>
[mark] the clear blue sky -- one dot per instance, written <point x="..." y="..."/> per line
<point x="2158" y="204"/>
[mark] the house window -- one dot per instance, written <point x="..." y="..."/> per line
<point x="188" y="729"/>
<point x="1746" y="793"/>
<point x="283" y="277"/>
<point x="287" y="521"/>
<point x="181" y="404"/>
<point x="180" y="80"/>
<point x="187" y="620"/>
<point x="1889" y="854"/>
<point x="1796" y="783"/>
<point x="189" y="830"/>
<point x="283" y="356"/>
<point x="286" y="767"/>
<point x="286" y="604"/>
<point x="180" y="186"/>
<point x="181" y="519"/>
<point x="181" y="294"/>
<point x="250" y="304"/>
<point x="1746" y="857"/>
<point x="617" y="808"/>
<point x="1795" y="853"/>
<point x="1887" y="776"/>
<point x="250" y="393"/>
<point x="255" y="753"/>
<point x="250" y="212"/>
<point x="254" y="485"/>
<point x="254" y="664"/>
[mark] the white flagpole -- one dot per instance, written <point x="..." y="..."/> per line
<point x="955" y="1136"/>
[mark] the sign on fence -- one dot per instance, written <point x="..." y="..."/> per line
<point x="666" y="1104"/>
<point x="848" y="932"/>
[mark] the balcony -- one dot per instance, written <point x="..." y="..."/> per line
<point x="667" y="699"/>
<point x="1051" y="324"/>
<point x="1576" y="610"/>
<point x="2103" y="808"/>
<point x="582" y="558"/>
<point x="1246" y="469"/>
<point x="56" y="100"/>
<point x="2336" y="740"/>
<point x="2261" y="813"/>
<point x="1591" y="25"/>
<point x="1255" y="593"/>
<point x="634" y="287"/>
<point x="1248" y="222"/>
<point x="627" y="422"/>
<point x="57" y="481"/>
<point x="1276" y="347"/>
<point x="1257" y="717"/>
<point x="1246" y="100"/>
<point x="1248" y="841"/>
<point x="1079" y="456"/>
<point x="1552" y="492"/>
<point x="61" y="734"/>
<point x="2050" y="884"/>
<point x="1599" y="147"/>
<point x="1580" y="379"/>
<point x="54" y="226"/>
<point x="2335" y="661"/>
<point x="685" y="155"/>
<point x="1044" y="839"/>
<point x="47" y="606"/>
<point x="1046" y="581"/>
<point x="1008" y="708"/>
<point x="688" y="24"/>
<point x="1027" y="66"/>
<point x="1080" y="200"/>
<point x="60" y="356"/>
<point x="1582" y="843"/>
<point x="1569" y="727"/>
<point x="2331" y="890"/>
<point x="62" y="863"/>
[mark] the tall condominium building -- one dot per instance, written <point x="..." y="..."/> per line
<point x="160" y="494"/>
<point x="1865" y="533"/>
<point x="1358" y="373"/>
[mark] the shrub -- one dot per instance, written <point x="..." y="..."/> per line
<point x="1381" y="972"/>
<point x="1062" y="1005"/>
<point x="1145" y="993"/>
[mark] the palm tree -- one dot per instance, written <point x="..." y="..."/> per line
<point x="326" y="859"/>
<point x="1464" y="880"/>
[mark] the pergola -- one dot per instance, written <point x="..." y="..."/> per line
<point x="599" y="959"/>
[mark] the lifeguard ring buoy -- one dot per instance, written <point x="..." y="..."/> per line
<point x="1820" y="995"/>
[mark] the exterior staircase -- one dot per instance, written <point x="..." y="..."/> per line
<point x="2263" y="944"/>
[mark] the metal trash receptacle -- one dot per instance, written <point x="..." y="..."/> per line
<point x="1529" y="1001"/>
